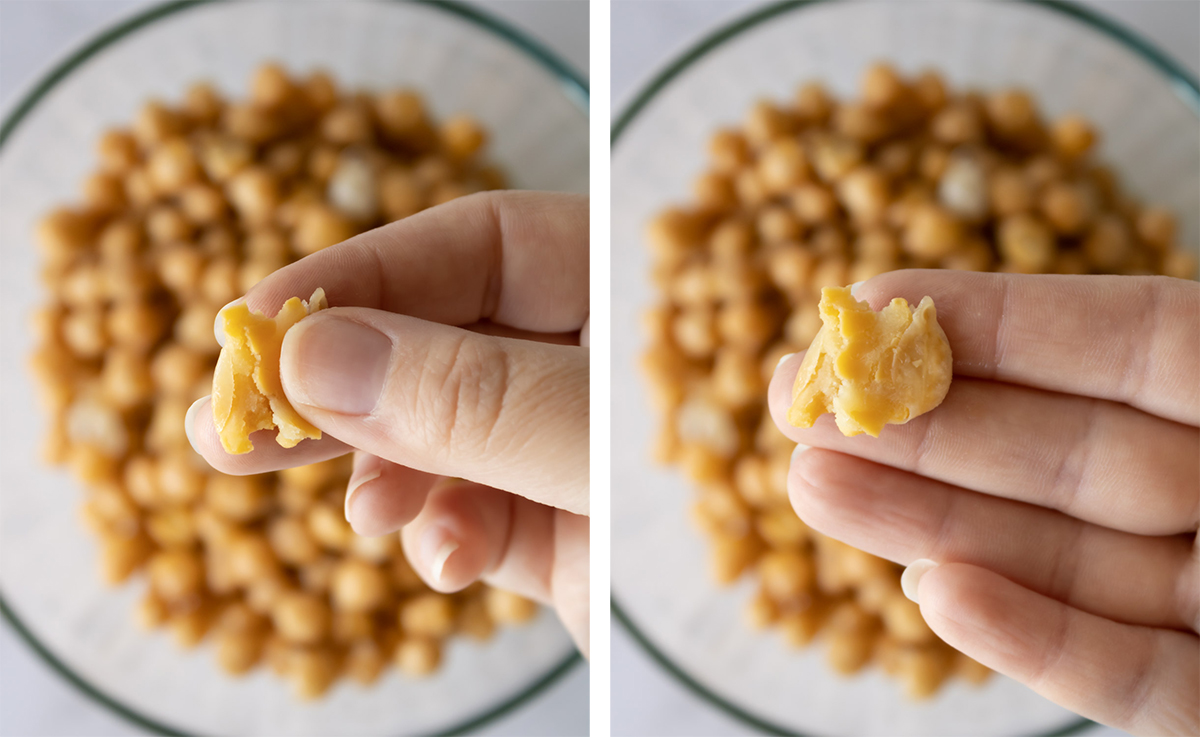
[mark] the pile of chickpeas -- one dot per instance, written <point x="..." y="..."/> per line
<point x="191" y="206"/>
<point x="815" y="192"/>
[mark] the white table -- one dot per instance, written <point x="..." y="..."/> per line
<point x="34" y="34"/>
<point x="645" y="37"/>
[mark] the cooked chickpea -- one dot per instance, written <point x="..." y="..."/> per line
<point x="1179" y="264"/>
<point x="348" y="124"/>
<point x="1073" y="137"/>
<point x="751" y="191"/>
<point x="189" y="627"/>
<point x="715" y="191"/>
<point x="202" y="104"/>
<point x="736" y="379"/>
<point x="176" y="576"/>
<point x="781" y="528"/>
<point x="311" y="671"/>
<point x="320" y="227"/>
<point x="732" y="555"/>
<point x="152" y="612"/>
<point x="418" y="656"/>
<point x="125" y="379"/>
<point x="194" y="328"/>
<point x="777" y="224"/>
<point x="364" y="662"/>
<point x="834" y="158"/>
<point x="786" y="575"/>
<point x="1108" y="245"/>
<point x="814" y="203"/>
<point x="766" y="123"/>
<point x="154" y="124"/>
<point x="957" y="124"/>
<point x="136" y="325"/>
<point x="462" y="137"/>
<point x="85" y="334"/>
<point x="118" y="151"/>
<point x="864" y="194"/>
<point x="782" y="166"/>
<point x="329" y="527"/>
<point x="1068" y="208"/>
<point x="301" y="618"/>
<point x="1156" y="226"/>
<point x="254" y="193"/>
<point x="761" y="611"/>
<point x="430" y="614"/>
<point x="859" y="122"/>
<point x="728" y="150"/>
<point x="475" y="621"/>
<point x="507" y="607"/>
<point x="799" y="627"/>
<point x="172" y="166"/>
<point x="922" y="671"/>
<point x="932" y="233"/>
<point x="121" y="555"/>
<point x="358" y="586"/>
<point x="812" y="103"/>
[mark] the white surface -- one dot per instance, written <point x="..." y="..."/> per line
<point x="32" y="699"/>
<point x="647" y="36"/>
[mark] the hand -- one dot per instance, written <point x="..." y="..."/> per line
<point x="1057" y="487"/>
<point x="472" y="439"/>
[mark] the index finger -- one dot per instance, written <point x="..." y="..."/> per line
<point x="516" y="258"/>
<point x="1130" y="339"/>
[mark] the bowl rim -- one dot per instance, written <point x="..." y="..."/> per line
<point x="574" y="87"/>
<point x="1183" y="82"/>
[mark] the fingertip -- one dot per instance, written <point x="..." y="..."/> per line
<point x="189" y="421"/>
<point x="779" y="391"/>
<point x="219" y="321"/>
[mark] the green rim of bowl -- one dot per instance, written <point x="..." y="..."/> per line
<point x="1182" y="82"/>
<point x="574" y="87"/>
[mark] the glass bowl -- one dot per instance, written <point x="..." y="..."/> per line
<point x="535" y="109"/>
<point x="1146" y="110"/>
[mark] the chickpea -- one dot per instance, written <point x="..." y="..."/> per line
<point x="154" y="124"/>
<point x="1009" y="193"/>
<point x="864" y="194"/>
<point x="364" y="662"/>
<point x="1068" y="208"/>
<point x="1179" y="264"/>
<point x="745" y="324"/>
<point x="799" y="627"/>
<point x="189" y="627"/>
<point x="881" y="86"/>
<point x="507" y="607"/>
<point x="358" y="586"/>
<point x="301" y="618"/>
<point x="729" y="151"/>
<point x="118" y="151"/>
<point x="239" y="498"/>
<point x="291" y="540"/>
<point x="166" y="224"/>
<point x="786" y="575"/>
<point x="202" y="203"/>
<point x="118" y="511"/>
<point x="1109" y="243"/>
<point x="136" y="326"/>
<point x="172" y="166"/>
<point x="431" y="615"/>
<point x="736" y="379"/>
<point x="239" y="652"/>
<point x="311" y="671"/>
<point x="223" y="157"/>
<point x="176" y="576"/>
<point x="104" y="192"/>
<point x="903" y="620"/>
<point x="834" y="158"/>
<point x="813" y="104"/>
<point x="848" y="652"/>
<point x="92" y="464"/>
<point x="932" y="233"/>
<point x="777" y="224"/>
<point x="804" y="324"/>
<point x="329" y="527"/>
<point x="349" y="627"/>
<point x="63" y="234"/>
<point x="975" y="255"/>
<point x="782" y="166"/>
<point x="179" y="479"/>
<point x="790" y="267"/>
<point x="922" y="672"/>
<point x="400" y="194"/>
<point x="761" y="611"/>
<point x="462" y="137"/>
<point x="270" y="87"/>
<point x="251" y="124"/>
<point x="859" y="122"/>
<point x="202" y="105"/>
<point x="957" y="124"/>
<point x="475" y="621"/>
<point x="374" y="549"/>
<point x="715" y="191"/>
<point x="262" y="594"/>
<point x="121" y="555"/>
<point x="85" y="334"/>
<point x="972" y="671"/>
<point x="320" y="227"/>
<point x="82" y="288"/>
<point x="831" y="271"/>
<point x="175" y="369"/>
<point x="418" y="656"/>
<point x="402" y="115"/>
<point x="782" y="529"/>
<point x="732" y="555"/>
<point x="814" y="204"/>
<point x="1157" y="227"/>
<point x="719" y="509"/>
<point x="1012" y="114"/>
<point x="1072" y="136"/>
<point x="120" y="241"/>
<point x="194" y="329"/>
<point x="254" y="193"/>
<point x="751" y="191"/>
<point x="695" y="332"/>
<point x="896" y="159"/>
<point x="348" y="124"/>
<point x="1042" y="171"/>
<point x="766" y="123"/>
<point x="152" y="612"/>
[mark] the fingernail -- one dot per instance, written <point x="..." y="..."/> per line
<point x="781" y="360"/>
<point x="799" y="451"/>
<point x="436" y="548"/>
<point x="219" y="322"/>
<point x="357" y="484"/>
<point x="912" y="576"/>
<point x="854" y="289"/>
<point x="335" y="364"/>
<point x="189" y="419"/>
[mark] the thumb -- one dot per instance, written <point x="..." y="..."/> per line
<point x="511" y="414"/>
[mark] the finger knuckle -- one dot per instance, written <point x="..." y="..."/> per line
<point x="465" y="402"/>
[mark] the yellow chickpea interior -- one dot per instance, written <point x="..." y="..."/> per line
<point x="193" y="204"/>
<point x="872" y="368"/>
<point x="247" y="392"/>
<point x="813" y="192"/>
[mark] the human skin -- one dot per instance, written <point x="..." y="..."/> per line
<point x="454" y="362"/>
<point x="1057" y="487"/>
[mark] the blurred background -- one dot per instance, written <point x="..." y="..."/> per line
<point x="35" y="35"/>
<point x="646" y="38"/>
